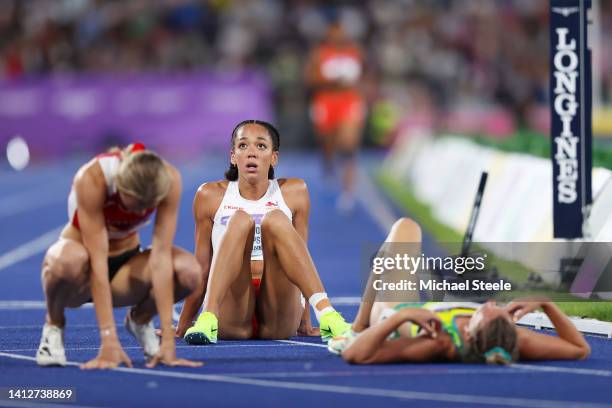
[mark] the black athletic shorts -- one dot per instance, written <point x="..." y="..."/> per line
<point x="116" y="262"/>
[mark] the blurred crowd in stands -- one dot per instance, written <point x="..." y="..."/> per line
<point x="424" y="56"/>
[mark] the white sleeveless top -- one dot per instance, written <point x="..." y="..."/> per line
<point x="233" y="201"/>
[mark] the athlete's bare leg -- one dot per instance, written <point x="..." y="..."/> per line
<point x="327" y="144"/>
<point x="403" y="230"/>
<point x="132" y="285"/>
<point x="279" y="307"/>
<point x="348" y="139"/>
<point x="230" y="295"/>
<point x="66" y="280"/>
<point x="288" y="270"/>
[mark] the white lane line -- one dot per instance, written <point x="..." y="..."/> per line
<point x="372" y="373"/>
<point x="302" y="343"/>
<point x="348" y="390"/>
<point x="31" y="248"/>
<point x="30" y="305"/>
<point x="345" y="301"/>
<point x="564" y="370"/>
<point x="29" y="358"/>
<point x="178" y="347"/>
<point x="40" y="304"/>
<point x="373" y="201"/>
<point x="39" y="326"/>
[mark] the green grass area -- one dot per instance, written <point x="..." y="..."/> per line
<point x="534" y="143"/>
<point x="449" y="238"/>
<point x="594" y="310"/>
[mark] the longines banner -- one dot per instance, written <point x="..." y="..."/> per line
<point x="570" y="98"/>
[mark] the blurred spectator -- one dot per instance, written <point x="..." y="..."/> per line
<point x="466" y="55"/>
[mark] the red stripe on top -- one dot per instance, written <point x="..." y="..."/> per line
<point x="115" y="215"/>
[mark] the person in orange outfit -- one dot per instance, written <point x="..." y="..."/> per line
<point x="334" y="71"/>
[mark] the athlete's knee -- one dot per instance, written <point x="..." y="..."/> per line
<point x="188" y="271"/>
<point x="241" y="221"/>
<point x="406" y="229"/>
<point x="274" y="220"/>
<point x="67" y="262"/>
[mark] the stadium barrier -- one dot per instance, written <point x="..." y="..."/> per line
<point x="443" y="172"/>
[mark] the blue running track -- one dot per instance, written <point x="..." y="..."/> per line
<point x="297" y="373"/>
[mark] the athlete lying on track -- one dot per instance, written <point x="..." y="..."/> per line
<point x="390" y="332"/>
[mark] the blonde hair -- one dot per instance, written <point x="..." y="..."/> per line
<point x="493" y="343"/>
<point x="144" y="176"/>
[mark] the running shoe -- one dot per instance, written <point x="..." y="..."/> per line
<point x="332" y="325"/>
<point x="204" y="331"/>
<point x="338" y="344"/>
<point x="51" y="349"/>
<point x="145" y="334"/>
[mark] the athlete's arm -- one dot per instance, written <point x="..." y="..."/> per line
<point x="160" y="260"/>
<point x="162" y="272"/>
<point x="205" y="199"/>
<point x="569" y="345"/>
<point x="372" y="346"/>
<point x="90" y="189"/>
<point x="296" y="196"/>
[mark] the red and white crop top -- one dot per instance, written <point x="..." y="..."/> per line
<point x="120" y="223"/>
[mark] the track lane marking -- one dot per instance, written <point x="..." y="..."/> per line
<point x="30" y="248"/>
<point x="339" y="389"/>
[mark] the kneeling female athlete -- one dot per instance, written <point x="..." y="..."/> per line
<point x="98" y="256"/>
<point x="252" y="229"/>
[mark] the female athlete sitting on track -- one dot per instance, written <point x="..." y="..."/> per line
<point x="98" y="256"/>
<point x="252" y="229"/>
<point x="388" y="332"/>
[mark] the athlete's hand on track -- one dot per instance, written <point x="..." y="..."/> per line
<point x="307" y="330"/>
<point x="167" y="356"/>
<point x="520" y="307"/>
<point x="111" y="355"/>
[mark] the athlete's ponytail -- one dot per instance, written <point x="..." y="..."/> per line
<point x="231" y="174"/>
<point x="493" y="343"/>
<point x="498" y="356"/>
